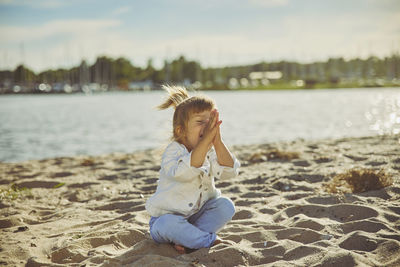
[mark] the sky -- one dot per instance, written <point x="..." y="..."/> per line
<point x="44" y="34"/>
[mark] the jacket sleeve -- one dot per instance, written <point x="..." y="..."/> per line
<point x="175" y="164"/>
<point x="223" y="172"/>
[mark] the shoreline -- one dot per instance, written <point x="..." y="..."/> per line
<point x="159" y="149"/>
<point x="90" y="209"/>
<point x="283" y="87"/>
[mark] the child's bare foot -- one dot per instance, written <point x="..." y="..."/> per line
<point x="180" y="249"/>
<point x="183" y="250"/>
<point x="219" y="241"/>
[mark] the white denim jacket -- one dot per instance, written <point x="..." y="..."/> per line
<point x="183" y="189"/>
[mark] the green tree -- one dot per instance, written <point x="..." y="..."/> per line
<point x="23" y="75"/>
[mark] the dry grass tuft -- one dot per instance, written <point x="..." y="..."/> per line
<point x="274" y="154"/>
<point x="358" y="181"/>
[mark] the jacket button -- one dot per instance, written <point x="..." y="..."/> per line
<point x="190" y="204"/>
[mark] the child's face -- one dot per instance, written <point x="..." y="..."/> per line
<point x="195" y="128"/>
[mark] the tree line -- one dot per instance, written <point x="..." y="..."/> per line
<point x="120" y="74"/>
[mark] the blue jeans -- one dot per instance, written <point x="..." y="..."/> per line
<point x="197" y="231"/>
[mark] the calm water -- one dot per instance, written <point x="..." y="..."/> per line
<point x="44" y="126"/>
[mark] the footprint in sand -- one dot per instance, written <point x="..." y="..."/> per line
<point x="10" y="222"/>
<point x="243" y="214"/>
<point x="150" y="180"/>
<point x="82" y="185"/>
<point x="359" y="241"/>
<point x="122" y="206"/>
<point x="323" y="160"/>
<point x="340" y="212"/>
<point x="245" y="203"/>
<point x="62" y="174"/>
<point x="301" y="163"/>
<point x="365" y="225"/>
<point x="311" y="178"/>
<point x="302" y="235"/>
<point x="108" y="177"/>
<point x="304" y="222"/>
<point x="38" y="184"/>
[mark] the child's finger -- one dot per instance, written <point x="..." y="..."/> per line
<point x="212" y="118"/>
<point x="216" y="115"/>
<point x="216" y="128"/>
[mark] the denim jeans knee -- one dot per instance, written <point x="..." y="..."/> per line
<point x="226" y="206"/>
<point x="161" y="226"/>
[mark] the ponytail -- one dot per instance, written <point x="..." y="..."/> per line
<point x="184" y="106"/>
<point x="176" y="95"/>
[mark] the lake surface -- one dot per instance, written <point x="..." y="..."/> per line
<point x="46" y="126"/>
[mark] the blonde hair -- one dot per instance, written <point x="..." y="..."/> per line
<point x="184" y="106"/>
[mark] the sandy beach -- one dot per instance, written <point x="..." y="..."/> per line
<point x="333" y="202"/>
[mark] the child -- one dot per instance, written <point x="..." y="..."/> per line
<point x="187" y="210"/>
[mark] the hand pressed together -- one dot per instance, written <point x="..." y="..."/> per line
<point x="207" y="137"/>
<point x="211" y="137"/>
<point x="212" y="130"/>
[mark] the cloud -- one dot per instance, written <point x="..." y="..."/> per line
<point x="55" y="41"/>
<point x="299" y="40"/>
<point x="6" y="2"/>
<point x="121" y="10"/>
<point x="77" y="28"/>
<point x="295" y="37"/>
<point x="269" y="3"/>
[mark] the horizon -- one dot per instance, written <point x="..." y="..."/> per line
<point x="203" y="67"/>
<point x="43" y="35"/>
